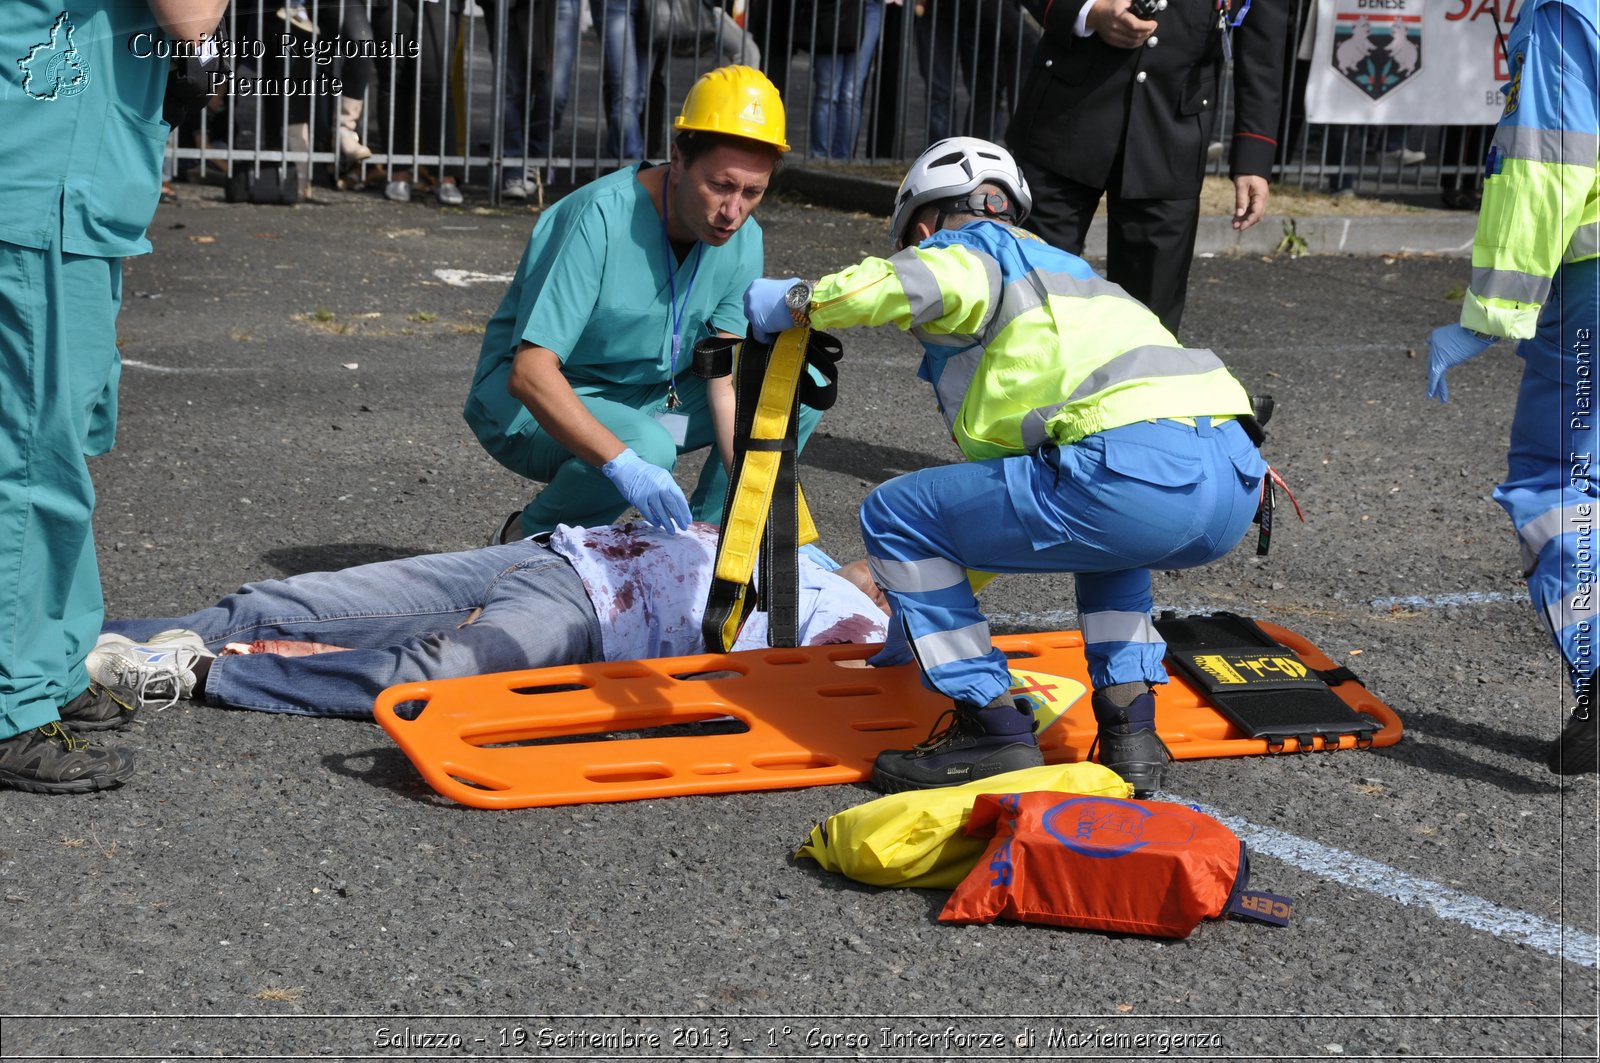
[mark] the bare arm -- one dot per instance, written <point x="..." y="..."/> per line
<point x="539" y="384"/>
<point x="719" y="396"/>
<point x="188" y="20"/>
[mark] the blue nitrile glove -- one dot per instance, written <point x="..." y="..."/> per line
<point x="651" y="489"/>
<point x="765" y="309"/>
<point x="896" y="650"/>
<point x="1448" y="347"/>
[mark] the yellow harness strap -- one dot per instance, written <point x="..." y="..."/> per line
<point x="764" y="501"/>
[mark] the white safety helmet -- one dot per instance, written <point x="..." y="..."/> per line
<point x="952" y="168"/>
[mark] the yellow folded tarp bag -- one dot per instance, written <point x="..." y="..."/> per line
<point x="918" y="838"/>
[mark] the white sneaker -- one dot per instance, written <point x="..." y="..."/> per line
<point x="296" y="15"/>
<point x="514" y="188"/>
<point x="156" y="673"/>
<point x="1405" y="156"/>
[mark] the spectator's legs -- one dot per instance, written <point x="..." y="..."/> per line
<point x="623" y="80"/>
<point x="1149" y="246"/>
<point x="939" y="50"/>
<point x="1062" y="208"/>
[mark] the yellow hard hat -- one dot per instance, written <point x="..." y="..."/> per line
<point x="737" y="101"/>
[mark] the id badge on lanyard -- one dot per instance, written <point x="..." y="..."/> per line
<point x="1227" y="22"/>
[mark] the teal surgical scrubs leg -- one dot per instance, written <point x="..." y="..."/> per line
<point x="58" y="373"/>
<point x="579" y="494"/>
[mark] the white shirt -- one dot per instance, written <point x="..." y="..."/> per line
<point x="649" y="590"/>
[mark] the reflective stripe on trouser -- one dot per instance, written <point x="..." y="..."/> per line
<point x="1070" y="510"/>
<point x="1550" y="491"/>
<point x="577" y="493"/>
<point x="58" y="381"/>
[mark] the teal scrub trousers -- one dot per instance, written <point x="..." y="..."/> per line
<point x="58" y="385"/>
<point x="578" y="494"/>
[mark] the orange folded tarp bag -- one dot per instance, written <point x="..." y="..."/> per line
<point x="1101" y="863"/>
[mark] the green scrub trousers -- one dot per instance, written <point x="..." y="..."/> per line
<point x="59" y="369"/>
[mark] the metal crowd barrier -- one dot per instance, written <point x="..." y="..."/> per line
<point x="586" y="85"/>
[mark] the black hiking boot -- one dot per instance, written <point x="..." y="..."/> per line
<point x="1577" y="751"/>
<point x="1127" y="742"/>
<point x="977" y="742"/>
<point x="95" y="710"/>
<point x="50" y="760"/>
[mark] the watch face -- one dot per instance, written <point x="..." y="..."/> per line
<point x="798" y="297"/>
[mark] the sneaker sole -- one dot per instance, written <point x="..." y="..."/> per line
<point x="76" y="786"/>
<point x="894" y="784"/>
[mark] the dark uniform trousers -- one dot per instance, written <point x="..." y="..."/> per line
<point x="1133" y="125"/>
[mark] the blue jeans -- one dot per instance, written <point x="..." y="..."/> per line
<point x="838" y="79"/>
<point x="551" y="88"/>
<point x="623" y="70"/>
<point x="439" y="616"/>
<point x="1109" y="508"/>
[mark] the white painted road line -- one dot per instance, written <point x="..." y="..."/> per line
<point x="1440" y="601"/>
<point x="132" y="363"/>
<point x="466" y="278"/>
<point x="1565" y="942"/>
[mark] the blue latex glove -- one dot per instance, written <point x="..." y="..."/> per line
<point x="896" y="650"/>
<point x="651" y="489"/>
<point x="765" y="309"/>
<point x="1448" y="347"/>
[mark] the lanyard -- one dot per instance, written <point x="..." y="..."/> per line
<point x="1224" y="9"/>
<point x="675" y="310"/>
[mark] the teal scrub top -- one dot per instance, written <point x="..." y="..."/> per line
<point x="80" y="124"/>
<point x="593" y="288"/>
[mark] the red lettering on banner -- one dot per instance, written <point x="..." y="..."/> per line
<point x="1506" y="9"/>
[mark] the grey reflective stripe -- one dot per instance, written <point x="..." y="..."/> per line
<point x="1019" y="297"/>
<point x="1510" y="285"/>
<point x="914" y="577"/>
<point x="1585" y="242"/>
<point x="920" y="286"/>
<point x="1030" y="291"/>
<point x="1141" y="363"/>
<point x="1054" y="282"/>
<point x="954" y="379"/>
<point x="943" y="339"/>
<point x="1537" y="533"/>
<point x="945" y="647"/>
<point x="1548" y="145"/>
<point x="1118" y="627"/>
<point x="1567" y="610"/>
<point x="1035" y="426"/>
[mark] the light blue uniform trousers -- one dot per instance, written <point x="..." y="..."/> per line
<point x="1156" y="494"/>
<point x="1550" y="488"/>
<point x="58" y="384"/>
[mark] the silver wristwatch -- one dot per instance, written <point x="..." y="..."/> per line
<point x="798" y="300"/>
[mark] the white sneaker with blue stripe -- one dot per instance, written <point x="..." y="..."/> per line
<point x="152" y="674"/>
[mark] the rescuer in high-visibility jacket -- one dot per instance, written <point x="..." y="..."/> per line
<point x="1536" y="278"/>
<point x="1096" y="444"/>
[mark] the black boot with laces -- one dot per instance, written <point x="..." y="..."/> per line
<point x="968" y="742"/>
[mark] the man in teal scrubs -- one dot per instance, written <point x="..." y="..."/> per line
<point x="584" y="379"/>
<point x="81" y="90"/>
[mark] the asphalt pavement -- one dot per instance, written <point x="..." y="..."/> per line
<point x="287" y="887"/>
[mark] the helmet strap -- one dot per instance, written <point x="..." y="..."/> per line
<point x="995" y="205"/>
